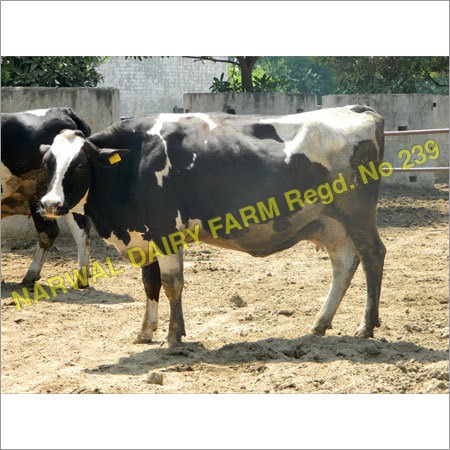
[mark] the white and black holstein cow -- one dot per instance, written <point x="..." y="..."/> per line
<point x="145" y="179"/>
<point x="24" y="180"/>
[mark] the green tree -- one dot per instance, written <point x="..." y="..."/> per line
<point x="245" y="64"/>
<point x="51" y="71"/>
<point x="388" y="74"/>
<point x="274" y="74"/>
<point x="299" y="74"/>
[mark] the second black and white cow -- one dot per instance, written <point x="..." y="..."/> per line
<point x="257" y="185"/>
<point x="24" y="180"/>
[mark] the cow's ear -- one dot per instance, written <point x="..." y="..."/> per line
<point x="106" y="157"/>
<point x="110" y="157"/>
<point x="44" y="148"/>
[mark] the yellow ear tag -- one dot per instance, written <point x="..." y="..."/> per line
<point x="115" y="158"/>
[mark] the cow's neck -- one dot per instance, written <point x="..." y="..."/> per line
<point x="109" y="203"/>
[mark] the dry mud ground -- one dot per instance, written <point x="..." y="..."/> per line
<point x="82" y="341"/>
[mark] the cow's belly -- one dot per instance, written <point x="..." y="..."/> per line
<point x="272" y="236"/>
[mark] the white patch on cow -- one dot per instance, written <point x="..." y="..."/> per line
<point x="194" y="157"/>
<point x="205" y="118"/>
<point x="343" y="261"/>
<point x="192" y="223"/>
<point x="136" y="240"/>
<point x="38" y="112"/>
<point x="160" y="174"/>
<point x="81" y="239"/>
<point x="173" y="118"/>
<point x="36" y="264"/>
<point x="178" y="222"/>
<point x="153" y="313"/>
<point x="64" y="148"/>
<point x="79" y="207"/>
<point x="172" y="266"/>
<point x="324" y="135"/>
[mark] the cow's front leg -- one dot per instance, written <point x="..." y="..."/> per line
<point x="171" y="267"/>
<point x="47" y="233"/>
<point x="79" y="226"/>
<point x="151" y="277"/>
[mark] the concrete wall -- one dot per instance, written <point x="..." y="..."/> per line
<point x="250" y="103"/>
<point x="416" y="112"/>
<point x="157" y="84"/>
<point x="99" y="107"/>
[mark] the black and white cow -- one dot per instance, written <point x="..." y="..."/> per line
<point x="186" y="174"/>
<point x="24" y="180"/>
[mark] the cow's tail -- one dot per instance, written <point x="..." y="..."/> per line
<point x="80" y="123"/>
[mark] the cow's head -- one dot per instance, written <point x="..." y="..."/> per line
<point x="68" y="162"/>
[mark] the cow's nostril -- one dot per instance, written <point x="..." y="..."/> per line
<point x="52" y="207"/>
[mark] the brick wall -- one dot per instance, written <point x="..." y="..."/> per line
<point x="157" y="84"/>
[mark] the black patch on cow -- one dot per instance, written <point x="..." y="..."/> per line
<point x="361" y="108"/>
<point x="153" y="153"/>
<point x="147" y="235"/>
<point x="263" y="131"/>
<point x="364" y="153"/>
<point x="82" y="221"/>
<point x="281" y="223"/>
<point x="177" y="149"/>
<point x="76" y="180"/>
<point x="307" y="174"/>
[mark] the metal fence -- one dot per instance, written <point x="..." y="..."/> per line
<point x="412" y="133"/>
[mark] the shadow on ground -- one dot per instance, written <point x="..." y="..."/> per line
<point x="308" y="348"/>
<point x="80" y="296"/>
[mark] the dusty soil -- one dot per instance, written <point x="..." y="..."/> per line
<point x="247" y="319"/>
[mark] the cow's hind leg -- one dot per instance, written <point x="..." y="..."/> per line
<point x="371" y="251"/>
<point x="171" y="267"/>
<point x="79" y="226"/>
<point x="151" y="277"/>
<point x="47" y="233"/>
<point x="344" y="261"/>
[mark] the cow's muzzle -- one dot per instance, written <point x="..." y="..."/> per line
<point x="50" y="208"/>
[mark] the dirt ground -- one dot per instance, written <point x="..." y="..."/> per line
<point x="247" y="319"/>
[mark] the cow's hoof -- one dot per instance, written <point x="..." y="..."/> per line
<point x="320" y="329"/>
<point x="29" y="282"/>
<point x="364" y="332"/>
<point x="143" y="338"/>
<point x="174" y="343"/>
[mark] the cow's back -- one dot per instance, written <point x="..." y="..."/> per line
<point x="22" y="134"/>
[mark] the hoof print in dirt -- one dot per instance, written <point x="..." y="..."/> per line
<point x="371" y="349"/>
<point x="155" y="378"/>
<point x="237" y="300"/>
<point x="286" y="312"/>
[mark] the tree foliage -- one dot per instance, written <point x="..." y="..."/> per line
<point x="298" y="74"/>
<point x="335" y="75"/>
<point x="51" y="71"/>
<point x="388" y="74"/>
